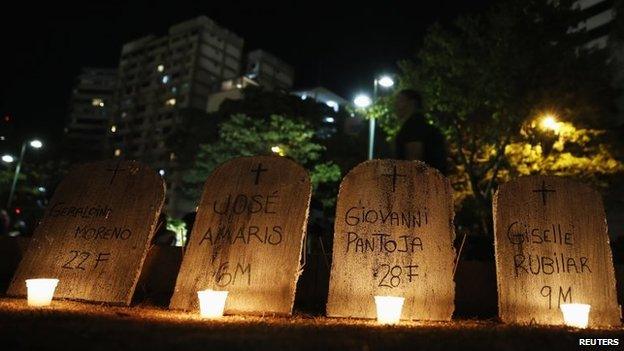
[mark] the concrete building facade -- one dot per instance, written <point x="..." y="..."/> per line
<point x="160" y="76"/>
<point x="597" y="18"/>
<point x="268" y="71"/>
<point x="161" y="79"/>
<point x="231" y="89"/>
<point x="90" y="108"/>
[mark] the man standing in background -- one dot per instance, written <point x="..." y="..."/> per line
<point x="417" y="139"/>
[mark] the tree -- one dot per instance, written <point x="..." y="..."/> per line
<point x="242" y="135"/>
<point x="486" y="80"/>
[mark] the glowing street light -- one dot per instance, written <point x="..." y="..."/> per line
<point x="385" y="81"/>
<point x="362" y="101"/>
<point x="549" y="122"/>
<point x="8" y="158"/>
<point x="35" y="144"/>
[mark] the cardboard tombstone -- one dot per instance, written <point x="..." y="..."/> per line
<point x="95" y="233"/>
<point x="248" y="236"/>
<point x="393" y="236"/>
<point x="552" y="248"/>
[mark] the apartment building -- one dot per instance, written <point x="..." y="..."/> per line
<point x="90" y="108"/>
<point x="268" y="71"/>
<point x="163" y="77"/>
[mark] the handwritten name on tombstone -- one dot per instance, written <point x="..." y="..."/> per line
<point x="248" y="236"/>
<point x="552" y="248"/>
<point x="95" y="233"/>
<point x="393" y="236"/>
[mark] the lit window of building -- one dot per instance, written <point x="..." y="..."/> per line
<point x="97" y="102"/>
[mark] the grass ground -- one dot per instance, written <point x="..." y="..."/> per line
<point x="79" y="326"/>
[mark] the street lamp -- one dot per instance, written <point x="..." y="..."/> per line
<point x="386" y="82"/>
<point x="362" y="101"/>
<point x="35" y="144"/>
<point x="7" y="159"/>
<point x="549" y="122"/>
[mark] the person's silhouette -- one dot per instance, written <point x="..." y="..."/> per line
<point x="417" y="139"/>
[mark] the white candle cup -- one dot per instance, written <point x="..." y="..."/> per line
<point x="389" y="309"/>
<point x="40" y="291"/>
<point x="211" y="303"/>
<point x="575" y="314"/>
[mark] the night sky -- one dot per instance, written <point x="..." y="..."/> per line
<point x="341" y="48"/>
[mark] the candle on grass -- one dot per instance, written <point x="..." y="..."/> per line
<point x="389" y="309"/>
<point x="40" y="291"/>
<point x="575" y="314"/>
<point x="211" y="303"/>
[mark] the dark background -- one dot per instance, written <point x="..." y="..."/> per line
<point x="340" y="47"/>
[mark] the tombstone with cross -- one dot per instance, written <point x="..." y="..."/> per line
<point x="95" y="233"/>
<point x="393" y="236"/>
<point x="248" y="236"/>
<point x="552" y="248"/>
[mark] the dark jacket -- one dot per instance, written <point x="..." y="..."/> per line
<point x="416" y="129"/>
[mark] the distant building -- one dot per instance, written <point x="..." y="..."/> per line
<point x="230" y="89"/>
<point x="160" y="76"/>
<point x="89" y="114"/>
<point x="325" y="96"/>
<point x="597" y="18"/>
<point x="161" y="79"/>
<point x="263" y="70"/>
<point x="268" y="71"/>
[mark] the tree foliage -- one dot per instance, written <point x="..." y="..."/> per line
<point x="242" y="135"/>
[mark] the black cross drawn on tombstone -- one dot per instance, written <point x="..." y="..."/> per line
<point x="543" y="191"/>
<point x="258" y="171"/>
<point x="394" y="176"/>
<point x="117" y="169"/>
